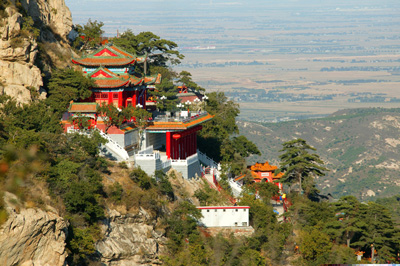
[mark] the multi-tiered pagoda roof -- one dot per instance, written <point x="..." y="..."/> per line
<point x="108" y="56"/>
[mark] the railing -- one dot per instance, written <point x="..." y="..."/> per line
<point x="147" y="150"/>
<point x="207" y="160"/>
<point x="219" y="189"/>
<point x="111" y="144"/>
<point x="192" y="159"/>
<point x="179" y="118"/>
<point x="189" y="160"/>
<point x="153" y="156"/>
<point x="114" y="146"/>
<point x="236" y="188"/>
<point x="166" y="164"/>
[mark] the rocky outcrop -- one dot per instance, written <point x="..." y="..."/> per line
<point x="32" y="237"/>
<point x="130" y="240"/>
<point x="19" y="73"/>
<point x="52" y="13"/>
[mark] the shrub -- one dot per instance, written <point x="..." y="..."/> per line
<point x="142" y="179"/>
<point x="116" y="192"/>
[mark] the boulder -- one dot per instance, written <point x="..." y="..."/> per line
<point x="130" y="240"/>
<point x="32" y="236"/>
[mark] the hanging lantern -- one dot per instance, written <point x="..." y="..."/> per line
<point x="176" y="136"/>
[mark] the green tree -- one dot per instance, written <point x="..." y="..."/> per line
<point x="300" y="166"/>
<point x="141" y="121"/>
<point x="216" y="131"/>
<point x="165" y="88"/>
<point x="111" y="115"/>
<point x="378" y="232"/>
<point x="160" y="52"/>
<point x="164" y="185"/>
<point x="315" y="246"/>
<point x="91" y="33"/>
<point x="186" y="78"/>
<point x="182" y="225"/>
<point x="66" y="85"/>
<point x="347" y="220"/>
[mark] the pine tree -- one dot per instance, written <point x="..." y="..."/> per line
<point x="347" y="222"/>
<point x="300" y="166"/>
<point x="378" y="232"/>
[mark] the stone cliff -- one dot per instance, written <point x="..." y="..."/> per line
<point x="21" y="71"/>
<point x="130" y="240"/>
<point x="32" y="236"/>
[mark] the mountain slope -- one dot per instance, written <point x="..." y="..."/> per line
<point x="360" y="146"/>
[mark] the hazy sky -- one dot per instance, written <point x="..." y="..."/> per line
<point x="124" y="14"/>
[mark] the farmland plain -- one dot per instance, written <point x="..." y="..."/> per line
<point x="279" y="60"/>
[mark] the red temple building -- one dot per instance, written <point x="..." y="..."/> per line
<point x="186" y="94"/>
<point x="167" y="139"/>
<point x="262" y="172"/>
<point x="112" y="70"/>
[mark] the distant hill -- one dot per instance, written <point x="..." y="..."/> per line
<point x="360" y="146"/>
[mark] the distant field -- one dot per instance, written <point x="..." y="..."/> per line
<point x="278" y="58"/>
<point x="284" y="74"/>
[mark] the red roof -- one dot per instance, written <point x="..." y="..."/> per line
<point x="110" y="83"/>
<point x="82" y="107"/>
<point x="104" y="78"/>
<point x="107" y="55"/>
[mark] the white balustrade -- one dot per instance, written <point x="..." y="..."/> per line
<point x="236" y="188"/>
<point x="114" y="146"/>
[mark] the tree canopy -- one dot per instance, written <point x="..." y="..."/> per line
<point x="219" y="138"/>
<point x="89" y="35"/>
<point x="300" y="166"/>
<point x="66" y="85"/>
<point x="160" y="52"/>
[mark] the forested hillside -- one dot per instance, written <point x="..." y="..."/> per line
<point x="359" y="146"/>
<point x="61" y="203"/>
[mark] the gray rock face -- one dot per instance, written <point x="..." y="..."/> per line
<point x="17" y="71"/>
<point x="32" y="237"/>
<point x="52" y="13"/>
<point x="130" y="240"/>
<point x="18" y="74"/>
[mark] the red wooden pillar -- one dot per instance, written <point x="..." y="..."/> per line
<point x="168" y="144"/>
<point x="192" y="150"/>
<point x="175" y="149"/>
<point x="188" y="145"/>
<point x="192" y="141"/>
<point x="120" y="99"/>
<point x="144" y="98"/>
<point x="195" y="141"/>
<point x="180" y="156"/>
<point x="110" y="97"/>
<point x="184" y="147"/>
<point x="178" y="148"/>
<point x="134" y="98"/>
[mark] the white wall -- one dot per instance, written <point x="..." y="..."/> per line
<point x="155" y="139"/>
<point x="131" y="137"/>
<point x="225" y="216"/>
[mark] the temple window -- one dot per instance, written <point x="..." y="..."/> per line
<point x="115" y="95"/>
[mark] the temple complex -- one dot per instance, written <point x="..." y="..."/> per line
<point x="167" y="140"/>
<point x="116" y="82"/>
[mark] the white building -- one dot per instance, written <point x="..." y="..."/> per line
<point x="219" y="216"/>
